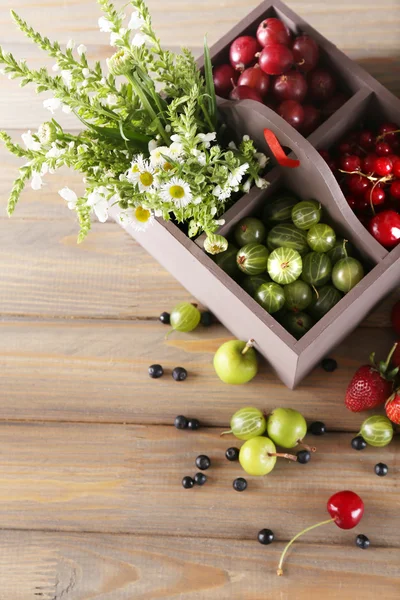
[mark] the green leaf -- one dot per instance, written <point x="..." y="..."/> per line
<point x="212" y="99"/>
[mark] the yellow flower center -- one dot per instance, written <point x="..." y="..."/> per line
<point x="142" y="214"/>
<point x="168" y="167"/>
<point x="177" y="192"/>
<point x="135" y="169"/>
<point x="146" y="179"/>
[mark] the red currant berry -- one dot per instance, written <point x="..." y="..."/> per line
<point x="395" y="190"/>
<point x="383" y="149"/>
<point x="366" y="140"/>
<point x="352" y="202"/>
<point x="383" y="166"/>
<point x="385" y="130"/>
<point x="368" y="164"/>
<point x="363" y="202"/>
<point x="345" y="148"/>
<point x="357" y="184"/>
<point x="377" y="196"/>
<point x="385" y="227"/>
<point x="350" y="163"/>
<point x="396" y="168"/>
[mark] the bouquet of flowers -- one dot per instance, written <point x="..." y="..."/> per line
<point x="153" y="141"/>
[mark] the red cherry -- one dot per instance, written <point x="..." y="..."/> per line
<point x="383" y="166"/>
<point x="345" y="148"/>
<point x="276" y="59"/>
<point x="312" y="118"/>
<point x="357" y="184"/>
<point x="305" y="53"/>
<point x="322" y="85"/>
<point x="396" y="168"/>
<point x="350" y="163"/>
<point x="395" y="190"/>
<point x="395" y="318"/>
<point x="225" y="77"/>
<point x="352" y="202"/>
<point x="385" y="227"/>
<point x="243" y="52"/>
<point x="363" y="202"/>
<point x="244" y="92"/>
<point x="368" y="164"/>
<point x="334" y="104"/>
<point x="291" y="86"/>
<point x="256" y="79"/>
<point x="292" y="112"/>
<point x="366" y="140"/>
<point x="377" y="196"/>
<point x="346" y="508"/>
<point x="383" y="149"/>
<point x="385" y="130"/>
<point x="273" y="31"/>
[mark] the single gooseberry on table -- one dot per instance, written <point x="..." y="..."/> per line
<point x="235" y="362"/>
<point x="247" y="423"/>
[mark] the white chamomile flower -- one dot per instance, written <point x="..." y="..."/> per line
<point x="142" y="173"/>
<point x="136" y="21"/>
<point x="156" y="156"/>
<point x="81" y="49"/>
<point x="175" y="150"/>
<point x="262" y="159"/>
<point x="237" y="175"/>
<point x="52" y="104"/>
<point x="69" y="196"/>
<point x="105" y="25"/>
<point x="142" y="218"/>
<point x="98" y="201"/>
<point x="36" y="181"/>
<point x="206" y="138"/>
<point x="66" y="77"/>
<point x="139" y="39"/>
<point x="176" y="191"/>
<point x="30" y="142"/>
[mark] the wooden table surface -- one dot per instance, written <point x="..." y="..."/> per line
<point x="91" y="504"/>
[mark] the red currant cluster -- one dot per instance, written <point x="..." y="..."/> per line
<point x="367" y="166"/>
<point x="282" y="72"/>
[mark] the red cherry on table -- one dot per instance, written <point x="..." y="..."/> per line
<point x="385" y="227"/>
<point x="255" y="78"/>
<point x="243" y="52"/>
<point x="346" y="508"/>
<point x="225" y="77"/>
<point x="273" y="31"/>
<point x="244" y="92"/>
<point x="276" y="59"/>
<point x="395" y="318"/>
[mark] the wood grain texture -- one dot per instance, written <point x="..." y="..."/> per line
<point x="53" y="566"/>
<point x="97" y="372"/>
<point x="115" y="478"/>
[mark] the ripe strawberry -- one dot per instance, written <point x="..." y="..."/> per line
<point x="371" y="385"/>
<point x="393" y="407"/>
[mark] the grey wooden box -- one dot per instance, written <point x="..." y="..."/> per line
<point x="196" y="271"/>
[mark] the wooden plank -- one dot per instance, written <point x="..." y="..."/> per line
<point x="97" y="372"/>
<point x="45" y="273"/>
<point x="51" y="566"/>
<point x="115" y="478"/>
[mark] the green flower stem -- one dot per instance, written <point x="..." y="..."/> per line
<point x="147" y="106"/>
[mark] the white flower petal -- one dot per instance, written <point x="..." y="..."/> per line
<point x="105" y="25"/>
<point x="71" y="44"/>
<point x="136" y="21"/>
<point x="66" y="109"/>
<point x="36" y="181"/>
<point x="114" y="38"/>
<point x="69" y="195"/>
<point x="86" y="72"/>
<point x="81" y="49"/>
<point x="52" y="104"/>
<point x="139" y="39"/>
<point x="101" y="210"/>
<point x="55" y="68"/>
<point x="29" y="142"/>
<point x="152" y="145"/>
<point x="66" y="77"/>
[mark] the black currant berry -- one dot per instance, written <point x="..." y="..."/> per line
<point x="303" y="457"/>
<point x="200" y="478"/>
<point x="156" y="371"/>
<point x="193" y="424"/>
<point x="329" y="365"/>
<point x="317" y="428"/>
<point x="358" y="443"/>
<point x="240" y="484"/>
<point x="232" y="454"/>
<point x="203" y="462"/>
<point x="165" y="318"/>
<point x="179" y="374"/>
<point x="181" y="422"/>
<point x="362" y="541"/>
<point x="381" y="469"/>
<point x="265" y="537"/>
<point x="207" y="319"/>
<point x="188" y="482"/>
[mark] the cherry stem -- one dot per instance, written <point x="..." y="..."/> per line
<point x="280" y="570"/>
<point x="383" y="135"/>
<point x="283" y="455"/>
<point x="306" y="446"/>
<point x="247" y="347"/>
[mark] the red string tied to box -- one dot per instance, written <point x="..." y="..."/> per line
<point x="278" y="151"/>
